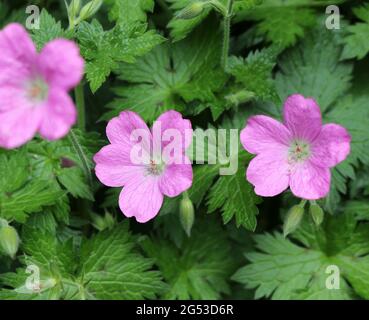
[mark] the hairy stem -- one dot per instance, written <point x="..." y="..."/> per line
<point x="226" y="33"/>
<point x="81" y="155"/>
<point x="80" y="103"/>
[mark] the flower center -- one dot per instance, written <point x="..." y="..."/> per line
<point x="155" y="169"/>
<point x="298" y="151"/>
<point x="37" y="90"/>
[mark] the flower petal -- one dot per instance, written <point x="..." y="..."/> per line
<point x="309" y="181"/>
<point x="114" y="167"/>
<point x="176" y="179"/>
<point x="18" y="126"/>
<point x="302" y="117"/>
<point x="263" y="133"/>
<point x="119" y="129"/>
<point x="17" y="49"/>
<point x="61" y="64"/>
<point x="59" y="115"/>
<point x="141" y="198"/>
<point x="331" y="146"/>
<point x="269" y="172"/>
<point x="173" y="120"/>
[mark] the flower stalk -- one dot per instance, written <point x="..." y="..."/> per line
<point x="226" y="33"/>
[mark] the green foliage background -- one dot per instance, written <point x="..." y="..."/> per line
<point x="141" y="56"/>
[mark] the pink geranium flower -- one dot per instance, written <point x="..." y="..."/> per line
<point x="145" y="183"/>
<point x="34" y="87"/>
<point x="297" y="153"/>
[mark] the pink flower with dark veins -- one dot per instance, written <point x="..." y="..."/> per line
<point x="34" y="87"/>
<point x="145" y="182"/>
<point x="297" y="153"/>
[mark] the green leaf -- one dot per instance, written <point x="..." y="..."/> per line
<point x="282" y="269"/>
<point x="49" y="30"/>
<point x="107" y="266"/>
<point x="255" y="73"/>
<point x="282" y="22"/>
<point x="103" y="50"/>
<point x="74" y="181"/>
<point x="356" y="44"/>
<point x="126" y="11"/>
<point x="167" y="80"/>
<point x="200" y="268"/>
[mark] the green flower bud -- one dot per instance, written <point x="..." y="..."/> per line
<point x="74" y="7"/>
<point x="191" y="11"/>
<point x="186" y="215"/>
<point x="293" y="219"/>
<point x="9" y="240"/>
<point x="89" y="9"/>
<point x="317" y="213"/>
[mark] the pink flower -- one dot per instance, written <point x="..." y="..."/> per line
<point x="34" y="87"/>
<point x="146" y="182"/>
<point x="297" y="153"/>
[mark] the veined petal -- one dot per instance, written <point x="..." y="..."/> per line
<point x="309" y="181"/>
<point x="263" y="133"/>
<point x="141" y="198"/>
<point x="269" y="172"/>
<point x="302" y="117"/>
<point x="114" y="167"/>
<point x="172" y="122"/>
<point x="122" y="129"/>
<point x="58" y="115"/>
<point x="61" y="64"/>
<point x="175" y="179"/>
<point x="332" y="146"/>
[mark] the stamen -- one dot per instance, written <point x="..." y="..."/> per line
<point x="299" y="151"/>
<point x="37" y="90"/>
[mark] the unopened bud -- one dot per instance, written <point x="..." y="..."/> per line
<point x="316" y="213"/>
<point x="90" y="9"/>
<point x="191" y="11"/>
<point x="293" y="219"/>
<point x="186" y="215"/>
<point x="9" y="240"/>
<point x="74" y="7"/>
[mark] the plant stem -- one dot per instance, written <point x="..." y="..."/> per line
<point x="81" y="155"/>
<point x="226" y="33"/>
<point x="80" y="103"/>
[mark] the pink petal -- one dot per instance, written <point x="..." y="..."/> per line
<point x="331" y="146"/>
<point x="61" y="64"/>
<point x="18" y="126"/>
<point x="173" y="120"/>
<point x="176" y="179"/>
<point x="114" y="167"/>
<point x="141" y="198"/>
<point x="16" y="46"/>
<point x="58" y="115"/>
<point x="269" y="172"/>
<point x="302" y="117"/>
<point x="308" y="181"/>
<point x="263" y="133"/>
<point x="119" y="129"/>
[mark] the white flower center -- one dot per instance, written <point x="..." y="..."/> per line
<point x="155" y="169"/>
<point x="299" y="151"/>
<point x="37" y="90"/>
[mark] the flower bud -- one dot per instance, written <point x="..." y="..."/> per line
<point x="316" y="213"/>
<point x="9" y="240"/>
<point x="90" y="9"/>
<point x="74" y="7"/>
<point x="191" y="11"/>
<point x="293" y="219"/>
<point x="186" y="215"/>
